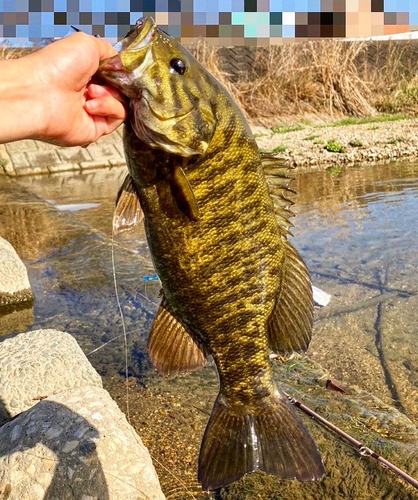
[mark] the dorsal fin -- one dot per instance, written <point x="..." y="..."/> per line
<point x="128" y="211"/>
<point x="172" y="346"/>
<point x="290" y="323"/>
<point x="276" y="172"/>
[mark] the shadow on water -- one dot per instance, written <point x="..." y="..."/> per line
<point x="84" y="467"/>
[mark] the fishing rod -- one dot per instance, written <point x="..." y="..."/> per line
<point x="364" y="450"/>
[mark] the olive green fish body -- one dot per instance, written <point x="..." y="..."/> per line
<point x="233" y="286"/>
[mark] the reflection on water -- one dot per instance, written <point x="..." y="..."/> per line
<point x="357" y="232"/>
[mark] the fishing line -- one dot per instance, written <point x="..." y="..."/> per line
<point x="364" y="450"/>
<point x="125" y="336"/>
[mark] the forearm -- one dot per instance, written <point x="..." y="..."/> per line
<point x="21" y="108"/>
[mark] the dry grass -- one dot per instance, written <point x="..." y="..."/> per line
<point x="14" y="52"/>
<point x="326" y="78"/>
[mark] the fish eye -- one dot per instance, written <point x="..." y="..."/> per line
<point x="178" y="66"/>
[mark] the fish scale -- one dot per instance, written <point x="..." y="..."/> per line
<point x="233" y="286"/>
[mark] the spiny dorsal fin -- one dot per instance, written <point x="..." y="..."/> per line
<point x="171" y="345"/>
<point x="175" y="193"/>
<point x="290" y="323"/>
<point x="128" y="211"/>
<point x="276" y="172"/>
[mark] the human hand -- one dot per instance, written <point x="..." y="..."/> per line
<point x="66" y="106"/>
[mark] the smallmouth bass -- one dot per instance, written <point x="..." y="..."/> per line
<point x="233" y="286"/>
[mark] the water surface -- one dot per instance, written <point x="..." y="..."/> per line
<point x="357" y="231"/>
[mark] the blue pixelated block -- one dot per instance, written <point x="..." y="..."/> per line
<point x="8" y="6"/>
<point x="47" y="18"/>
<point x="238" y="18"/>
<point x="226" y="6"/>
<point x="86" y="6"/>
<point x="22" y="5"/>
<point x="288" y="31"/>
<point x="212" y="18"/>
<point x="22" y="31"/>
<point x="135" y="16"/>
<point x="413" y="18"/>
<point x="60" y="6"/>
<point x="161" y="6"/>
<point x="199" y="18"/>
<point x="111" y="31"/>
<point x="237" y="6"/>
<point x="301" y="6"/>
<point x="276" y="5"/>
<point x="98" y="5"/>
<point x="124" y="5"/>
<point x="250" y="31"/>
<point x="314" y="6"/>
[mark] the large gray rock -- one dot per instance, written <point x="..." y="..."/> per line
<point x="77" y="445"/>
<point x="14" y="282"/>
<point x="37" y="364"/>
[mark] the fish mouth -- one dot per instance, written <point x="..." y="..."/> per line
<point x="121" y="69"/>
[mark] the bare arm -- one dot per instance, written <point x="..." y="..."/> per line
<point x="49" y="95"/>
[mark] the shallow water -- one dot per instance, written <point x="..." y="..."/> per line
<point x="356" y="229"/>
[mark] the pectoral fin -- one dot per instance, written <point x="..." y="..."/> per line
<point x="128" y="211"/>
<point x="175" y="193"/>
<point x="290" y="323"/>
<point x="171" y="345"/>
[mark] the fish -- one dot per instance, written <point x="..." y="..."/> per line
<point x="233" y="287"/>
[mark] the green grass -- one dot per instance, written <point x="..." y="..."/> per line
<point x="396" y="140"/>
<point x="383" y="118"/>
<point x="373" y="119"/>
<point x="280" y="149"/>
<point x="283" y="129"/>
<point x="334" y="147"/>
<point x="355" y="143"/>
<point x="3" y="162"/>
<point x="337" y="169"/>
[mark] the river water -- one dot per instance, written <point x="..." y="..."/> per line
<point x="356" y="229"/>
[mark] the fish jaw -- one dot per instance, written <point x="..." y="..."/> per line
<point x="167" y="109"/>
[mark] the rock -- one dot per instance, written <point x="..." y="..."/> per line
<point x="38" y="364"/>
<point x="75" y="445"/>
<point x="14" y="282"/>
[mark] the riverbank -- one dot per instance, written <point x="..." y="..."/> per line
<point x="342" y="143"/>
<point x="347" y="142"/>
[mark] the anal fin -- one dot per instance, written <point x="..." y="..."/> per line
<point x="172" y="346"/>
<point x="290" y="323"/>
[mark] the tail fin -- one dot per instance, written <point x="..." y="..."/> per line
<point x="272" y="439"/>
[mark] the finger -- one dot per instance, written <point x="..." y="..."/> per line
<point x="106" y="106"/>
<point x="96" y="90"/>
<point x="105" y="49"/>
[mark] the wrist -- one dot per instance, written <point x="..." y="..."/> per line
<point x="22" y="112"/>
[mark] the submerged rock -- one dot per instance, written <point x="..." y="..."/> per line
<point x="75" y="445"/>
<point x="14" y="283"/>
<point x="38" y="364"/>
